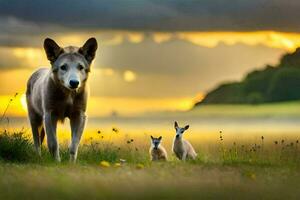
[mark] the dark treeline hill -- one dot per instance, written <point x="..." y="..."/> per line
<point x="271" y="84"/>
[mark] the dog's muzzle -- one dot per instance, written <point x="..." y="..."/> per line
<point x="74" y="84"/>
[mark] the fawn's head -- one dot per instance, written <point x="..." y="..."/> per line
<point x="155" y="141"/>
<point x="180" y="130"/>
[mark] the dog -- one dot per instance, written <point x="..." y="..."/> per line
<point x="58" y="93"/>
<point x="182" y="148"/>
<point x="157" y="151"/>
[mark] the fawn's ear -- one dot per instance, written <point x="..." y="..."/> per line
<point x="160" y="137"/>
<point x="187" y="127"/>
<point x="152" y="137"/>
<point x="52" y="50"/>
<point x="175" y="125"/>
<point x="88" y="50"/>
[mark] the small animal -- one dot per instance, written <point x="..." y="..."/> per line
<point x="157" y="151"/>
<point x="182" y="148"/>
<point x="58" y="93"/>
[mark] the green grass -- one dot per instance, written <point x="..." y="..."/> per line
<point x="158" y="181"/>
<point x="16" y="147"/>
<point x="230" y="170"/>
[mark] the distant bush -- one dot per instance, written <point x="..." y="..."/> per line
<point x="285" y="85"/>
<point x="258" y="82"/>
<point x="255" y="98"/>
<point x="231" y="93"/>
<point x="271" y="84"/>
<point x="291" y="60"/>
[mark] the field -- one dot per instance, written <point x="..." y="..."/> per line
<point x="241" y="156"/>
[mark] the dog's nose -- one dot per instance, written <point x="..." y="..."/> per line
<point x="74" y="84"/>
<point x="177" y="136"/>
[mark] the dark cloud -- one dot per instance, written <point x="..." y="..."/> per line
<point x="167" y="15"/>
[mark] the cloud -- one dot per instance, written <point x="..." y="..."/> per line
<point x="13" y="58"/>
<point x="168" y="15"/>
<point x="174" y="68"/>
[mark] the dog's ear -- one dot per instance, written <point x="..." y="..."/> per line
<point x="175" y="125"/>
<point x="160" y="137"/>
<point x="152" y="137"/>
<point x="187" y="127"/>
<point x="52" y="49"/>
<point x="88" y="50"/>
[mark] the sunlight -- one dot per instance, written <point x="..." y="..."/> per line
<point x="135" y="37"/>
<point x="106" y="71"/>
<point x="23" y="102"/>
<point x="105" y="106"/>
<point x="185" y="104"/>
<point x="32" y="56"/>
<point x="129" y="76"/>
<point x="15" y="105"/>
<point x="162" y="37"/>
<point x="272" y="39"/>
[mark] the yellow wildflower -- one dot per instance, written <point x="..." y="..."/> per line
<point x="140" y="166"/>
<point x="104" y="164"/>
<point x="117" y="164"/>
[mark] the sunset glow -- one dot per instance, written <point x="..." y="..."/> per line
<point x="288" y="41"/>
<point x="105" y="106"/>
<point x="129" y="76"/>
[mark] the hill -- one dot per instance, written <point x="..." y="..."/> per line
<point x="271" y="84"/>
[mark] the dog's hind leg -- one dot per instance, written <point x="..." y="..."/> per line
<point x="77" y="122"/>
<point x="36" y="123"/>
<point x="50" y="123"/>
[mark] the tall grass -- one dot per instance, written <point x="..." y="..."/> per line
<point x="264" y="152"/>
<point x="18" y="147"/>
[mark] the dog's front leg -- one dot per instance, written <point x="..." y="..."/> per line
<point x="77" y="122"/>
<point x="184" y="156"/>
<point x="50" y="123"/>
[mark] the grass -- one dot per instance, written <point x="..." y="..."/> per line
<point x="159" y="181"/>
<point x="265" y="169"/>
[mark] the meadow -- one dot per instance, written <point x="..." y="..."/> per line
<point x="255" y="156"/>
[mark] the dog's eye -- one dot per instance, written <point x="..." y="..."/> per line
<point x="63" y="67"/>
<point x="80" y="67"/>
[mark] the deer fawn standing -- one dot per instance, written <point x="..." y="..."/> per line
<point x="182" y="148"/>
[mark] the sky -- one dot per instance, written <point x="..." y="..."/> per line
<point x="153" y="55"/>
